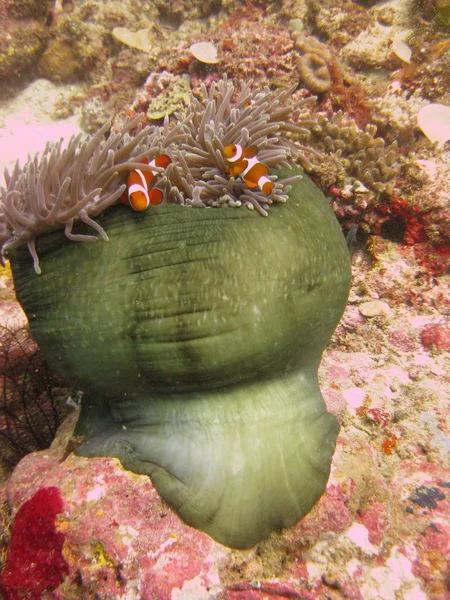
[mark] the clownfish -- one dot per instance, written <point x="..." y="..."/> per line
<point x="242" y="161"/>
<point x="139" y="193"/>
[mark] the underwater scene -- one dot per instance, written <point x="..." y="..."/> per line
<point x="224" y="299"/>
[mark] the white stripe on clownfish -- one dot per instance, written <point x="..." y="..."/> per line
<point x="243" y="161"/>
<point x="238" y="152"/>
<point x="140" y="187"/>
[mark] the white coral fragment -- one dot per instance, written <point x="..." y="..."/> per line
<point x="142" y="40"/>
<point x="205" y="52"/>
<point x="402" y="50"/>
<point x="434" y="121"/>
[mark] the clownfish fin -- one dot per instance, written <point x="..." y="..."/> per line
<point x="237" y="168"/>
<point x="162" y="160"/>
<point x="266" y="185"/>
<point x="124" y="198"/>
<point x="138" y="198"/>
<point x="252" y="177"/>
<point x="249" y="152"/>
<point x="249" y="183"/>
<point x="155" y="196"/>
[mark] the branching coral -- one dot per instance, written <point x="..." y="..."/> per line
<point x="82" y="180"/>
<point x="32" y="404"/>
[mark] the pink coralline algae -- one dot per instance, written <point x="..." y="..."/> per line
<point x="375" y="517"/>
<point x="437" y="336"/>
<point x="35" y="562"/>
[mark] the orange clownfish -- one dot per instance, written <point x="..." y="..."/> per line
<point x="139" y="193"/>
<point x="242" y="161"/>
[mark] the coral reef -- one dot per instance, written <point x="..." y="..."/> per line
<point x="370" y="50"/>
<point x="373" y="186"/>
<point x="380" y="530"/>
<point x="253" y="47"/>
<point x="395" y="114"/>
<point x="60" y="63"/>
<point x="81" y="34"/>
<point x="329" y="21"/>
<point x="436" y="13"/>
<point x="347" y="155"/>
<point x="116" y="46"/>
<point x="84" y="45"/>
<point x="163" y="94"/>
<point x="428" y="76"/>
<point x="182" y="10"/>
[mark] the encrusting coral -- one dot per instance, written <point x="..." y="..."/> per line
<point x="356" y="153"/>
<point x="195" y="335"/>
<point x="312" y="63"/>
<point x="80" y="181"/>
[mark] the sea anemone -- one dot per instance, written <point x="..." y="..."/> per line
<point x="264" y="120"/>
<point x="73" y="183"/>
<point x="196" y="335"/>
<point x="78" y="182"/>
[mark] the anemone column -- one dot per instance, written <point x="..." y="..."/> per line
<point x="196" y="336"/>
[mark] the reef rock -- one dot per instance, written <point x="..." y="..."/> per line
<point x="24" y="35"/>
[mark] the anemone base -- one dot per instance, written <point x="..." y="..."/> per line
<point x="236" y="463"/>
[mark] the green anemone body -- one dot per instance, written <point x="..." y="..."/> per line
<point x="196" y="336"/>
